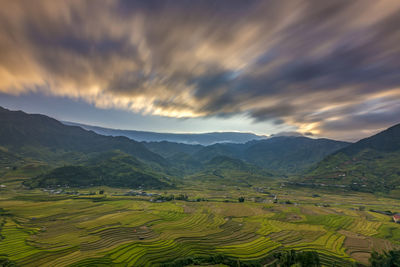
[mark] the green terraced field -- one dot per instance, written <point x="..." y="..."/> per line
<point x="41" y="229"/>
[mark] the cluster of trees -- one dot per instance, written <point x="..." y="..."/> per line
<point x="173" y="197"/>
<point x="183" y="197"/>
<point x="280" y="259"/>
<point x="4" y="262"/>
<point x="1" y="226"/>
<point x="297" y="258"/>
<point x="386" y="259"/>
<point x="212" y="260"/>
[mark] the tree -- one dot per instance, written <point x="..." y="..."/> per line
<point x="101" y="192"/>
<point x="241" y="199"/>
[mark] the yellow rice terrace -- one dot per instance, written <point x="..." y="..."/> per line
<point x="116" y="228"/>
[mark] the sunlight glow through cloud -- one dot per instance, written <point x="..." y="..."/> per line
<point x="311" y="65"/>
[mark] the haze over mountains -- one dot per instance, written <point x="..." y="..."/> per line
<point x="74" y="156"/>
<point x="190" y="138"/>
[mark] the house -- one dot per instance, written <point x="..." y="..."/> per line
<point x="396" y="218"/>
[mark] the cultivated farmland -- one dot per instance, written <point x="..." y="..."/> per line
<point x="39" y="228"/>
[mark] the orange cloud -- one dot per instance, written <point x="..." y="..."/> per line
<point x="302" y="63"/>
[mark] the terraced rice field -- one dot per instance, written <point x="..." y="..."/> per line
<point x="42" y="230"/>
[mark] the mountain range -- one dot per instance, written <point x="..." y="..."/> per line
<point x="41" y="137"/>
<point x="75" y="156"/>
<point x="186" y="138"/>
<point x="284" y="155"/>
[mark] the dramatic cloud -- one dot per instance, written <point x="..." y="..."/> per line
<point x="329" y="68"/>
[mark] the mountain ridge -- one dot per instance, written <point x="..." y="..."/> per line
<point x="31" y="135"/>
<point x="371" y="164"/>
<point x="112" y="168"/>
<point x="185" y="138"/>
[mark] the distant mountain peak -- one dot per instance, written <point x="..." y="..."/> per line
<point x="290" y="134"/>
<point x="185" y="138"/>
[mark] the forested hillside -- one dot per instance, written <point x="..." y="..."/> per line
<point x="371" y="164"/>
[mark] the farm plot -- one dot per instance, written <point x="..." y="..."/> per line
<point x="365" y="227"/>
<point x="104" y="231"/>
<point x="255" y="249"/>
<point x="13" y="242"/>
<point x="330" y="222"/>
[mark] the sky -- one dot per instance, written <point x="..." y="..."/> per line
<point x="321" y="68"/>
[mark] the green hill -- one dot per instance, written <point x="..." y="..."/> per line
<point x="226" y="170"/>
<point x="8" y="159"/>
<point x="170" y="149"/>
<point x="284" y="154"/>
<point x="227" y="149"/>
<point x="115" y="169"/>
<point x="41" y="137"/>
<point x="371" y="164"/>
<point x="289" y="155"/>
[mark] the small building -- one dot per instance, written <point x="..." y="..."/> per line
<point x="396" y="218"/>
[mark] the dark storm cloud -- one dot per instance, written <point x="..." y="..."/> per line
<point x="365" y="120"/>
<point x="320" y="66"/>
<point x="273" y="112"/>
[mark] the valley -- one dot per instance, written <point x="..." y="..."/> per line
<point x="212" y="133"/>
<point x="71" y="197"/>
<point x="98" y="226"/>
